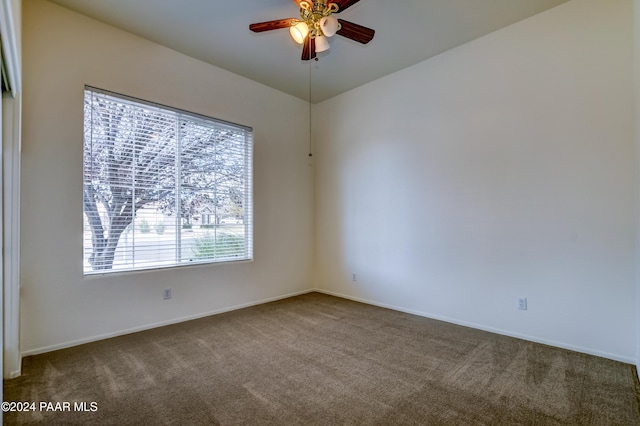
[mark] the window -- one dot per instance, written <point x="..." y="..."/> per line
<point x="158" y="185"/>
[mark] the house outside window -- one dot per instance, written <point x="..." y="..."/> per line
<point x="205" y="216"/>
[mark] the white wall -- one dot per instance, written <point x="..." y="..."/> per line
<point x="63" y="51"/>
<point x="501" y="169"/>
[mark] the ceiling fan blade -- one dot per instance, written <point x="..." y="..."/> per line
<point x="343" y="4"/>
<point x="309" y="48"/>
<point x="272" y="25"/>
<point x="355" y="32"/>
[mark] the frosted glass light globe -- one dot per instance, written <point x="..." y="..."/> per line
<point x="322" y="44"/>
<point x="299" y="31"/>
<point x="329" y="26"/>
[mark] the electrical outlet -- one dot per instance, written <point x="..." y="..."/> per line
<point x="522" y="303"/>
<point x="166" y="294"/>
<point x="354" y="277"/>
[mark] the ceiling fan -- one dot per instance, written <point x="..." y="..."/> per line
<point x="316" y="24"/>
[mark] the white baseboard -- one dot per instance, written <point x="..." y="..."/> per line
<point x="14" y="374"/>
<point x="77" y="342"/>
<point x="562" y="345"/>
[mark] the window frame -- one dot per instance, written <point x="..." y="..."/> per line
<point x="181" y="117"/>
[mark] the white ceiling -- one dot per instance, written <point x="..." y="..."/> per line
<point x="217" y="32"/>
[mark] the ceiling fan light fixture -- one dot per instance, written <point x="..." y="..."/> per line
<point x="322" y="44"/>
<point x="329" y="25"/>
<point x="299" y="31"/>
<point x="316" y="24"/>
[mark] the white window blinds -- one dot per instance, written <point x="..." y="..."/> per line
<point x="163" y="187"/>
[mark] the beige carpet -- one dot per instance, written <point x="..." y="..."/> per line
<point x="320" y="360"/>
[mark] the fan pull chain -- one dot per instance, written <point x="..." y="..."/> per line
<point x="310" y="134"/>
